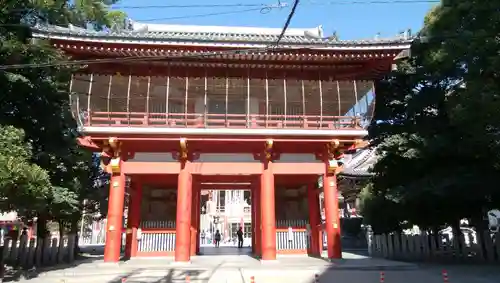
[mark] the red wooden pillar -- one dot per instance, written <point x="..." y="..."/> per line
<point x="134" y="219"/>
<point x="194" y="219"/>
<point x="258" y="222"/>
<point x="183" y="217"/>
<point x="332" y="220"/>
<point x="267" y="217"/>
<point x="314" y="218"/>
<point x="114" y="225"/>
<point x="252" y="209"/>
<point x="198" y="219"/>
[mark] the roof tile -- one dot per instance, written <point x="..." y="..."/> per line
<point x="211" y="37"/>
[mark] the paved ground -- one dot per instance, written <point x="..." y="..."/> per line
<point x="239" y="267"/>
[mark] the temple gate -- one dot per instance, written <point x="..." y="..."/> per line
<point x="180" y="109"/>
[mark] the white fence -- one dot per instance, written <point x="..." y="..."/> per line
<point x="436" y="247"/>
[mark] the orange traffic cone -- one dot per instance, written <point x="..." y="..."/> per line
<point x="445" y="276"/>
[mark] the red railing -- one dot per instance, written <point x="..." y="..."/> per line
<point x="197" y="120"/>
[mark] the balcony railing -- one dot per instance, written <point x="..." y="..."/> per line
<point x="197" y="120"/>
<point x="215" y="101"/>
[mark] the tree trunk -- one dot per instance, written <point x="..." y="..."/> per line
<point x="457" y="235"/>
<point x="435" y="236"/>
<point x="74" y="231"/>
<point x="480" y="225"/>
<point x="41" y="226"/>
<point x="61" y="228"/>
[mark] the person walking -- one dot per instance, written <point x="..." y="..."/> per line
<point x="217" y="238"/>
<point x="203" y="235"/>
<point x="240" y="237"/>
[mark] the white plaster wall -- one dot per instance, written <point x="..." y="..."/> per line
<point x="297" y="158"/>
<point x="226" y="157"/>
<point x="222" y="157"/>
<point x="152" y="157"/>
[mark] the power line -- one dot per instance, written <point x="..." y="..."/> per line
<point x="315" y="3"/>
<point x="155" y="58"/>
<point x="263" y="8"/>
<point x="199" y="55"/>
<point x="288" y="20"/>
<point x="263" y="5"/>
<point x="130" y="59"/>
<point x="204" y="15"/>
<point x="195" y="6"/>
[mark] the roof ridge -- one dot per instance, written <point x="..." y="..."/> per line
<point x="138" y="26"/>
<point x="224" y="38"/>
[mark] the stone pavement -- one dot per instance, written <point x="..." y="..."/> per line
<point x="240" y="268"/>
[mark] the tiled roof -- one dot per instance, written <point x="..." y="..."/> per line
<point x="216" y="37"/>
<point x="359" y="164"/>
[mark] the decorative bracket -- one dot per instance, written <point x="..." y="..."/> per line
<point x="268" y="154"/>
<point x="111" y="154"/>
<point x="268" y="150"/>
<point x="88" y="143"/>
<point x="183" y="154"/>
<point x="360" y="144"/>
<point x="334" y="155"/>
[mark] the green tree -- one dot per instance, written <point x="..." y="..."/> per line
<point x="83" y="13"/>
<point x="437" y="119"/>
<point x="24" y="185"/>
<point x="35" y="99"/>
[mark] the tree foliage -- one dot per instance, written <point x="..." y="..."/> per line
<point x="437" y="122"/>
<point x="21" y="180"/>
<point x="81" y="13"/>
<point x="42" y="168"/>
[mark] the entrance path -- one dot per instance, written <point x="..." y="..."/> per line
<point x="221" y="251"/>
<point x="288" y="269"/>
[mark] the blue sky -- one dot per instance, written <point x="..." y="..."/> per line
<point x="352" y="19"/>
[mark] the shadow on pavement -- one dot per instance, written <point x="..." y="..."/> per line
<point x="87" y="255"/>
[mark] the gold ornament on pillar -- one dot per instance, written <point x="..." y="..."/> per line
<point x="111" y="154"/>
<point x="268" y="150"/>
<point x="183" y="152"/>
<point x="268" y="154"/>
<point x="335" y="157"/>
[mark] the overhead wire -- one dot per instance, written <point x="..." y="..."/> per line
<point x="287" y="22"/>
<point x="190" y="56"/>
<point x="201" y="54"/>
<point x="263" y="8"/>
<point x="196" y="6"/>
<point x="205" y="15"/>
<point x="283" y="30"/>
<point x="307" y="3"/>
<point x="155" y="58"/>
<point x="130" y="59"/>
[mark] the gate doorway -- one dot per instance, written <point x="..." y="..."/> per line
<point x="226" y="210"/>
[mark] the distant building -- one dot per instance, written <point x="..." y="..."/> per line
<point x="226" y="211"/>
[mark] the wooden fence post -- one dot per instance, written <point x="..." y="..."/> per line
<point x="2" y="264"/>
<point x="390" y="246"/>
<point x="397" y="246"/>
